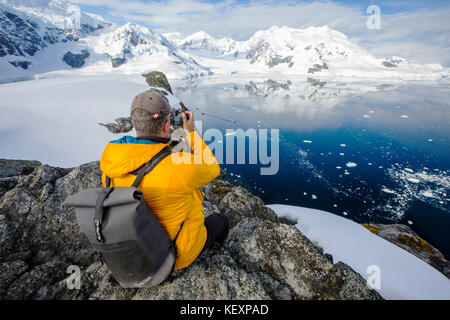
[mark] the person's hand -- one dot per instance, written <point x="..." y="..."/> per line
<point x="188" y="124"/>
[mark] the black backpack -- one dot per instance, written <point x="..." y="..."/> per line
<point x="122" y="227"/>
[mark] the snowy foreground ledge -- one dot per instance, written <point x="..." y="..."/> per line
<point x="402" y="275"/>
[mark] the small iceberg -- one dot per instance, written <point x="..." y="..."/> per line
<point x="351" y="164"/>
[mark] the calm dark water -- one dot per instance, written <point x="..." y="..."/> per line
<point x="370" y="152"/>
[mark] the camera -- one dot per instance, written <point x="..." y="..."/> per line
<point x="176" y="119"/>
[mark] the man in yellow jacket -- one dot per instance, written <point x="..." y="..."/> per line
<point x="172" y="188"/>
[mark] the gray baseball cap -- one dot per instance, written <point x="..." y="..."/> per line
<point x="151" y="101"/>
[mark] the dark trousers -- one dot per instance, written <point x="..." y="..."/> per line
<point x="217" y="229"/>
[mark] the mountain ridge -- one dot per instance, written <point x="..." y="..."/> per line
<point x="56" y="37"/>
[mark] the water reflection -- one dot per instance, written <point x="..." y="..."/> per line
<point x="367" y="151"/>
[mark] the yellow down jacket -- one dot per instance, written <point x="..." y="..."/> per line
<point x="171" y="189"/>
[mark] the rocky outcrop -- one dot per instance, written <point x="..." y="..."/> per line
<point x="404" y="237"/>
<point x="21" y="64"/>
<point x="76" y="60"/>
<point x="260" y="259"/>
<point x="117" y="62"/>
<point x="38" y="237"/>
<point x="122" y="125"/>
<point x="157" y="79"/>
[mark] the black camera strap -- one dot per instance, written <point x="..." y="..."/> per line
<point x="147" y="167"/>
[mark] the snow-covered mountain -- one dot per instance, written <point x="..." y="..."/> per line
<point x="311" y="51"/>
<point x="28" y="28"/>
<point x="55" y="36"/>
<point x="42" y="36"/>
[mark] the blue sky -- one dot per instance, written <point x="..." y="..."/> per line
<point x="417" y="30"/>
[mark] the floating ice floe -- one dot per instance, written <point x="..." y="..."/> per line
<point x="314" y="197"/>
<point x="423" y="185"/>
<point x="386" y="190"/>
<point x="351" y="164"/>
<point x="413" y="180"/>
<point x="428" y="194"/>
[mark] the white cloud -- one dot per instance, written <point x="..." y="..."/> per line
<point x="421" y="35"/>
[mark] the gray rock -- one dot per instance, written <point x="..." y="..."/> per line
<point x="157" y="79"/>
<point x="301" y="271"/>
<point x="35" y="229"/>
<point x="37" y="283"/>
<point x="236" y="202"/>
<point x="261" y="258"/>
<point x="76" y="60"/>
<point x="11" y="168"/>
<point x="239" y="204"/>
<point x="122" y="125"/>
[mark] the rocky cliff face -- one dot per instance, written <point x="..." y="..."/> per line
<point x="262" y="258"/>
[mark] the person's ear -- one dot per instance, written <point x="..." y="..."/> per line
<point x="166" y="126"/>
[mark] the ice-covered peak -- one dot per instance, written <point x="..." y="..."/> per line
<point x="59" y="13"/>
<point x="132" y="34"/>
<point x="129" y="40"/>
<point x="204" y="44"/>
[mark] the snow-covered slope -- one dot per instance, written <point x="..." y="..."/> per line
<point x="400" y="274"/>
<point x="42" y="36"/>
